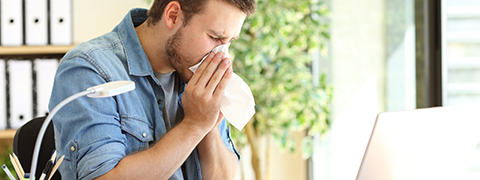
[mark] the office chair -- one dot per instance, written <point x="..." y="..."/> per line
<point x="24" y="142"/>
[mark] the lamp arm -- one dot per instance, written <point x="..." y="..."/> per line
<point x="41" y="133"/>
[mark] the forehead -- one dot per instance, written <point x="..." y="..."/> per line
<point x="220" y="16"/>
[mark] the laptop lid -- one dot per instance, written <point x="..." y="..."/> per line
<point x="433" y="143"/>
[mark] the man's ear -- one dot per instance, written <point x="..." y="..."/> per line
<point x="173" y="15"/>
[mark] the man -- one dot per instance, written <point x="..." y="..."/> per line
<point x="165" y="128"/>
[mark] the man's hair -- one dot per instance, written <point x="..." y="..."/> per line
<point x="192" y="7"/>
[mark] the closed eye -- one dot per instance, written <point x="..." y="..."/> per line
<point x="214" y="38"/>
<point x="220" y="39"/>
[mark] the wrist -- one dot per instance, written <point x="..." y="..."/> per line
<point x="211" y="137"/>
<point x="195" y="128"/>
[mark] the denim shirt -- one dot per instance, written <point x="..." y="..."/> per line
<point x="94" y="134"/>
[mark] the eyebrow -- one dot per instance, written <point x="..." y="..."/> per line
<point x="220" y="35"/>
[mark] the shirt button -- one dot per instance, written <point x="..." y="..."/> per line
<point x="144" y="134"/>
<point x="72" y="148"/>
<point x="159" y="102"/>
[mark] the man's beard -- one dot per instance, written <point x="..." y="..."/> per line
<point x="173" y="56"/>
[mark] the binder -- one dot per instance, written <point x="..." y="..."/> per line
<point x="60" y="22"/>
<point x="21" y="95"/>
<point x="3" y="96"/>
<point x="36" y="23"/>
<point x="11" y="22"/>
<point x="45" y="73"/>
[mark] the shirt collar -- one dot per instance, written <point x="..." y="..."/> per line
<point x="138" y="63"/>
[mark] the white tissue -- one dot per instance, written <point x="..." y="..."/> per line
<point x="222" y="48"/>
<point x="238" y="105"/>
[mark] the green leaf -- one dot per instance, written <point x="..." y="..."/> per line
<point x="273" y="56"/>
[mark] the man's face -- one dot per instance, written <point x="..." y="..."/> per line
<point x="219" y="23"/>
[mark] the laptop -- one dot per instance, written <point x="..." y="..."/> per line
<point x="433" y="143"/>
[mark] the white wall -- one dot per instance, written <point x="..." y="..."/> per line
<point x="357" y="61"/>
<point x="93" y="18"/>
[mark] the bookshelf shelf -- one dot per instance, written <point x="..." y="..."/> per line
<point x="33" y="50"/>
<point x="7" y="134"/>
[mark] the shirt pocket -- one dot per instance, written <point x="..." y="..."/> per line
<point x="138" y="134"/>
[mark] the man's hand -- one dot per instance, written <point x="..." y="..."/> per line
<point x="203" y="94"/>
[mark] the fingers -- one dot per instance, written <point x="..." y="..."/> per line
<point x="196" y="76"/>
<point x="218" y="91"/>
<point x="212" y="76"/>
<point x="210" y="68"/>
<point x="219" y="75"/>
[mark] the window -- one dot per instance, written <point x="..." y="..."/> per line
<point x="371" y="63"/>
<point x="461" y="60"/>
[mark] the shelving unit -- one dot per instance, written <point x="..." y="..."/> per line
<point x="29" y="52"/>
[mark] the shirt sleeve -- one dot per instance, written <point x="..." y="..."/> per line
<point x="87" y="130"/>
<point x="227" y="140"/>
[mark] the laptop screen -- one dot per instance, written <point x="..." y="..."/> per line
<point x="433" y="143"/>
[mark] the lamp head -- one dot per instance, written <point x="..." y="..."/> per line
<point x="111" y="89"/>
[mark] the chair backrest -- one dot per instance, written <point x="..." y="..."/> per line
<point x="24" y="142"/>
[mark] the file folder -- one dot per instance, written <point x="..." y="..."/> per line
<point x="45" y="73"/>
<point x="21" y="95"/>
<point x="60" y="22"/>
<point x="3" y="96"/>
<point x="36" y="23"/>
<point x="11" y="22"/>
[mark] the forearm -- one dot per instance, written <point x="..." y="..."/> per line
<point x="161" y="160"/>
<point x="216" y="160"/>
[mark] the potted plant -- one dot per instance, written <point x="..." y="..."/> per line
<point x="274" y="57"/>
